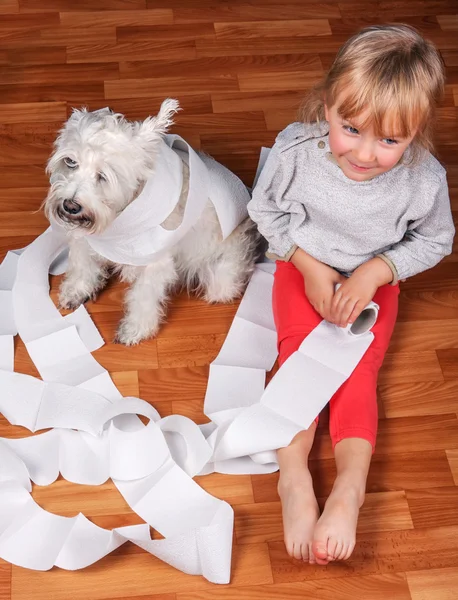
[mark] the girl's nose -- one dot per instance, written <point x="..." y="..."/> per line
<point x="364" y="153"/>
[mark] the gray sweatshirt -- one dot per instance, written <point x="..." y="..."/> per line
<point x="303" y="198"/>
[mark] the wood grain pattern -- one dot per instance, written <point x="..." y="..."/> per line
<point x="240" y="70"/>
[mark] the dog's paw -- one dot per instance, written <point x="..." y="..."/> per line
<point x="71" y="299"/>
<point x="131" y="333"/>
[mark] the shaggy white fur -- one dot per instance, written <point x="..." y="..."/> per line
<point x="100" y="165"/>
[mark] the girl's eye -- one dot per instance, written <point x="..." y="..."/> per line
<point x="351" y="129"/>
<point x="71" y="164"/>
<point x="390" y="141"/>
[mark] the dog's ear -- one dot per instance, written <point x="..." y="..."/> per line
<point x="152" y="129"/>
<point x="77" y="114"/>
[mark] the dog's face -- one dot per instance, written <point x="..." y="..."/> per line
<point x="99" y="165"/>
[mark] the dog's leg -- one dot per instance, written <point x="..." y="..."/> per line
<point x="86" y="275"/>
<point x="145" y="300"/>
<point x="224" y="275"/>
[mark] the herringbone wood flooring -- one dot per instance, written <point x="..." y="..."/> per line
<point x="239" y="69"/>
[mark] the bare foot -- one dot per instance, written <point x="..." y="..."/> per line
<point x="300" y="513"/>
<point x="335" y="533"/>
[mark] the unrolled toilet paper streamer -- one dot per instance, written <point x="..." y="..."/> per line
<point x="95" y="434"/>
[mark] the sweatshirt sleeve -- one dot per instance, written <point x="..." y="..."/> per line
<point x="268" y="208"/>
<point x="428" y="240"/>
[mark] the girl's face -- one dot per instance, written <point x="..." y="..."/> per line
<point x="359" y="152"/>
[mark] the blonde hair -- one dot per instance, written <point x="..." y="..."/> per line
<point x="391" y="73"/>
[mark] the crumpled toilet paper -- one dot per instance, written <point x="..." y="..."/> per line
<point x="96" y="434"/>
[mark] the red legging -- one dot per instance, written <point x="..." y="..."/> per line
<point x="353" y="408"/>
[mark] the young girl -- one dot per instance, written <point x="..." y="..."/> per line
<point x="351" y="195"/>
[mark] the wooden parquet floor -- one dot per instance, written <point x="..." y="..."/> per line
<point x="239" y="68"/>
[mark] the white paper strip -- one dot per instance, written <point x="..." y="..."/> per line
<point x="96" y="434"/>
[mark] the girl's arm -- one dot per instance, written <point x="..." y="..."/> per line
<point x="271" y="211"/>
<point x="268" y="208"/>
<point x="428" y="240"/>
<point x="425" y="243"/>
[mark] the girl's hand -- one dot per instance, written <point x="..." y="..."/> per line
<point x="320" y="281"/>
<point x="358" y="290"/>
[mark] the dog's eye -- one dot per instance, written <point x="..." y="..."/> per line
<point x="101" y="177"/>
<point x="71" y="164"/>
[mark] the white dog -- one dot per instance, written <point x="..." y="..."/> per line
<point x="100" y="165"/>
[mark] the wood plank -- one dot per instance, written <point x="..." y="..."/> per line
<point x="242" y="101"/>
<point x="22" y="199"/>
<point x="182" y="385"/>
<point x="262" y="82"/>
<point x="68" y="499"/>
<point x="373" y="587"/>
<point x="419" y="366"/>
<point x="23" y="176"/>
<point x="125" y="88"/>
<point x="236" y="12"/>
<point x="97" y="34"/>
<point x="122" y="51"/>
<point x="190" y="31"/>
<point x="126" y="382"/>
<point x="17" y="151"/>
<point x="42" y="74"/>
<point x="219" y="124"/>
<point x="427" y="305"/>
<point x="402" y="434"/>
<point x="5" y="579"/>
<point x="433" y="505"/>
<point x="221" y="64"/>
<point x="419" y="398"/>
<point x="447" y="360"/>
<point x="36" y="55"/>
<point x="419" y="336"/>
<point x="265" y="46"/>
<point x="448" y="22"/>
<point x="74" y="93"/>
<point x="9" y="6"/>
<point x="376" y="553"/>
<point x="452" y="456"/>
<point x="189" y="351"/>
<point x="437" y="584"/>
<point x="261" y="29"/>
<point x="113" y="357"/>
<point x="235" y="489"/>
<point x="251" y="566"/>
<point x="14" y="22"/>
<point x="22" y="223"/>
<point x="68" y="5"/>
<point x="116" y="18"/>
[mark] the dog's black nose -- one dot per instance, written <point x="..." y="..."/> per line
<point x="72" y="207"/>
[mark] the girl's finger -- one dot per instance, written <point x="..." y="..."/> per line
<point x="347" y="312"/>
<point x="356" y="311"/>
<point x="336" y="299"/>
<point x="343" y="311"/>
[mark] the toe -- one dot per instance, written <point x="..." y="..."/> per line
<point x="305" y="552"/>
<point x="338" y="550"/>
<point x="349" y="550"/>
<point x="289" y="548"/>
<point x="297" y="553"/>
<point x="320" y="549"/>
<point x="332" y="546"/>
<point x="312" y="560"/>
